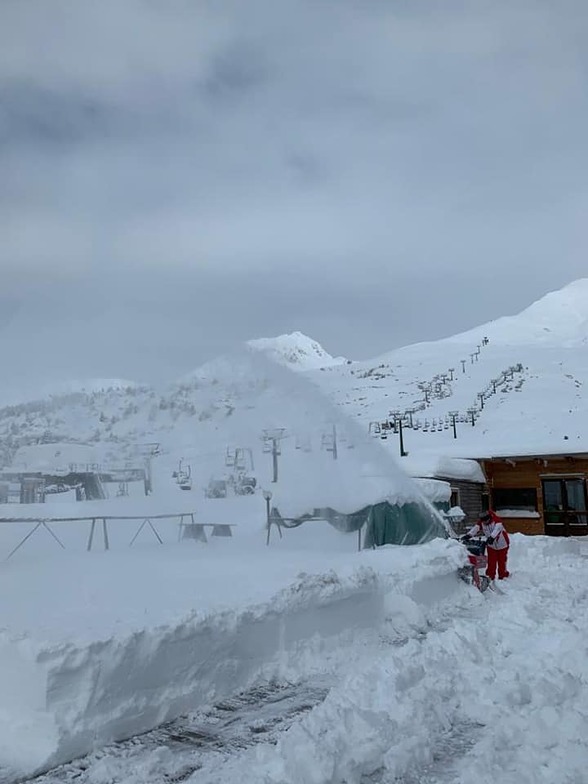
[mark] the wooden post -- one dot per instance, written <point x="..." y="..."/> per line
<point x="91" y="537"/>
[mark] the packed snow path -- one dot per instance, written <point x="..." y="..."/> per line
<point x="175" y="751"/>
<point x="451" y="688"/>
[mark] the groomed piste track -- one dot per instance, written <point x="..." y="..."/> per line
<point x="394" y="671"/>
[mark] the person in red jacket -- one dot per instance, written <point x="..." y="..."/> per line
<point x="490" y="526"/>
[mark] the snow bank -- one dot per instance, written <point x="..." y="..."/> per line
<point x="498" y="693"/>
<point x="109" y="648"/>
<point x="82" y="696"/>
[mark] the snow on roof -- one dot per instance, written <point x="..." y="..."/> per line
<point x="533" y="453"/>
<point x="435" y="490"/>
<point x="432" y="465"/>
<point x="360" y="477"/>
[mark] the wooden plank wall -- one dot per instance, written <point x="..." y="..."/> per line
<point x="470" y="500"/>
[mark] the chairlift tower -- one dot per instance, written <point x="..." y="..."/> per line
<point x="271" y="445"/>
<point x="453" y="415"/>
<point x="398" y="416"/>
<point x="329" y="442"/>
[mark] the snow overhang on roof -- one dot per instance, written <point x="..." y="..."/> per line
<point x="444" y="467"/>
<point x="536" y="455"/>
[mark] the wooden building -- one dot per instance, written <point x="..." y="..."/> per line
<point x="470" y="495"/>
<point x="463" y="478"/>
<point x="539" y="493"/>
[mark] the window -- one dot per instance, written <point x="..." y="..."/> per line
<point x="564" y="502"/>
<point x="522" y="499"/>
<point x="454" y="500"/>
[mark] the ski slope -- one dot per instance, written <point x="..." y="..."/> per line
<point x="230" y="400"/>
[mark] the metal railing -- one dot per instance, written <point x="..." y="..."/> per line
<point x="196" y="530"/>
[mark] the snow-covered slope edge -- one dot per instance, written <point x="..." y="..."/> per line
<point x="81" y="695"/>
<point x="560" y="317"/>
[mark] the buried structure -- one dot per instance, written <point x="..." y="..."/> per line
<point x="372" y="496"/>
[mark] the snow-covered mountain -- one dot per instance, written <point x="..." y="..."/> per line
<point x="296" y="351"/>
<point x="558" y="318"/>
<point x="524" y="387"/>
<point x="61" y="389"/>
<point x="541" y="406"/>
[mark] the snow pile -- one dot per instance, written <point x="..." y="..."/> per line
<point x="499" y="693"/>
<point x="296" y="351"/>
<point x="101" y="648"/>
<point x="265" y="397"/>
<point x="360" y="477"/>
<point x="429" y="677"/>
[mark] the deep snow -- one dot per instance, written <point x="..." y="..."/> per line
<point x="429" y="681"/>
<point x="111" y="644"/>
<point x="426" y="679"/>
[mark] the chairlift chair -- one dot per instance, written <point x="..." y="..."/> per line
<point x="217" y="488"/>
<point x="184" y="477"/>
<point x="245" y="485"/>
<point x="326" y="441"/>
<point x="375" y="429"/>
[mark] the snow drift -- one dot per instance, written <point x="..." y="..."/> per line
<point x="65" y="695"/>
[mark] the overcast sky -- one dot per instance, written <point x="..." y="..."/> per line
<point x="178" y="175"/>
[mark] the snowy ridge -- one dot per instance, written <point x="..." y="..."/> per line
<point x="296" y="351"/>
<point x="560" y="317"/>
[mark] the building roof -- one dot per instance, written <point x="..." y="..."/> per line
<point x="530" y="455"/>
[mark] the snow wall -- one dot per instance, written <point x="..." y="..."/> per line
<point x="61" y="700"/>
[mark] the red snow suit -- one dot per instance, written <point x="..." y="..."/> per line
<point x="490" y="525"/>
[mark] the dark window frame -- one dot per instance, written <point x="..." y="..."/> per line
<point x="561" y="481"/>
<point x="521" y="499"/>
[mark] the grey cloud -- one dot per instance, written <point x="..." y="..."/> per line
<point x="231" y="169"/>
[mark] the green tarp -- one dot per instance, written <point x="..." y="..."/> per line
<point x="385" y="523"/>
<point x="410" y="523"/>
